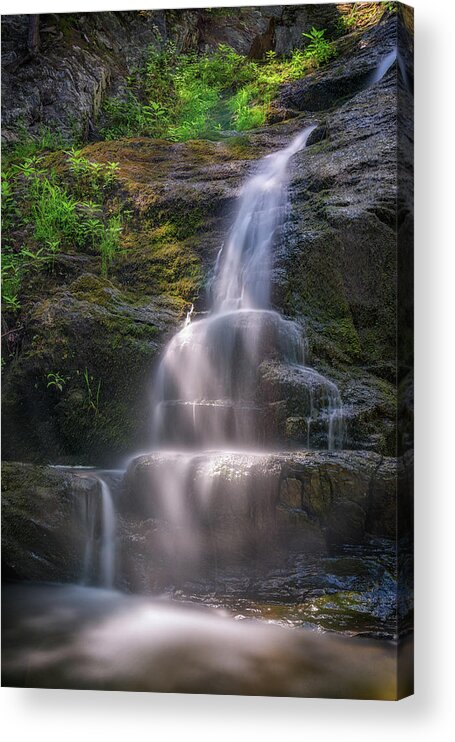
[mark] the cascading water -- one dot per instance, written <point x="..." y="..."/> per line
<point x="107" y="552"/>
<point x="100" y="526"/>
<point x="384" y="66"/>
<point x="243" y="281"/>
<point x="209" y="385"/>
<point x="210" y="394"/>
<point x="213" y="420"/>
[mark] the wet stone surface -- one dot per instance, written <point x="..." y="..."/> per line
<point x="351" y="592"/>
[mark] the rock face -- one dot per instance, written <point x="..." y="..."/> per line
<point x="243" y="529"/>
<point x="103" y="343"/>
<point x="43" y="534"/>
<point x="81" y="56"/>
<point x="196" y="507"/>
<point x="253" y="500"/>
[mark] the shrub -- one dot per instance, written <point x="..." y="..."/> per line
<point x="110" y="242"/>
<point x="183" y="96"/>
<point x="53" y="212"/>
<point x="319" y="51"/>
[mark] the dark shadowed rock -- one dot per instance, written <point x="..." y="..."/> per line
<point x="103" y="343"/>
<point x="43" y="526"/>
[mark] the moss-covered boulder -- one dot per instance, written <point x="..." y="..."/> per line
<point x="43" y="535"/>
<point x="80" y="387"/>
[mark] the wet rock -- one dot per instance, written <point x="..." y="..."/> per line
<point x="63" y="84"/>
<point x="291" y="493"/>
<point x="308" y="499"/>
<point x="340" y="239"/>
<point x="103" y="345"/>
<point x="359" y="56"/>
<point x="43" y="534"/>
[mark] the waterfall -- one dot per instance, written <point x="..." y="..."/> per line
<point x="244" y="278"/>
<point x="208" y="390"/>
<point x="100" y="526"/>
<point x="107" y="550"/>
<point x="219" y="389"/>
<point x="383" y="67"/>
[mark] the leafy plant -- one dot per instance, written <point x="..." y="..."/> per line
<point x="93" y="392"/>
<point x="347" y="21"/>
<point x="90" y="177"/>
<point x="298" y="64"/>
<point x="9" y="206"/>
<point x="55" y="380"/>
<point x="319" y="51"/>
<point x="15" y="263"/>
<point x="28" y="168"/>
<point x="110" y="242"/>
<point x="54" y="212"/>
<point x="53" y="247"/>
<point x="11" y="282"/>
<point x="90" y="230"/>
<point x="184" y="96"/>
<point x="28" y="146"/>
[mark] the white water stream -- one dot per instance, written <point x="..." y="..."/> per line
<point x="208" y="391"/>
<point x="384" y="66"/>
<point x="99" y="518"/>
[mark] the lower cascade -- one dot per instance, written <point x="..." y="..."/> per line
<point x="99" y="524"/>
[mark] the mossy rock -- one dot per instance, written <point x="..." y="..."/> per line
<point x="103" y="343"/>
<point x="155" y="261"/>
<point x="43" y="535"/>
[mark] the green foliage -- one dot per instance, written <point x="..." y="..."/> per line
<point x="93" y="390"/>
<point x="11" y="281"/>
<point x="347" y="21"/>
<point x="55" y="380"/>
<point x="26" y="146"/>
<point x="90" y="178"/>
<point x="9" y="208"/>
<point x="110" y="242"/>
<point x="52" y="211"/>
<point x="130" y="118"/>
<point x="187" y="96"/>
<point x="362" y="15"/>
<point x="14" y="265"/>
<point x="319" y="51"/>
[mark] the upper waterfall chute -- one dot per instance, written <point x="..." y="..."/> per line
<point x="243" y="280"/>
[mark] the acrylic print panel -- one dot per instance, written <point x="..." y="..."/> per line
<point x="207" y="357"/>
